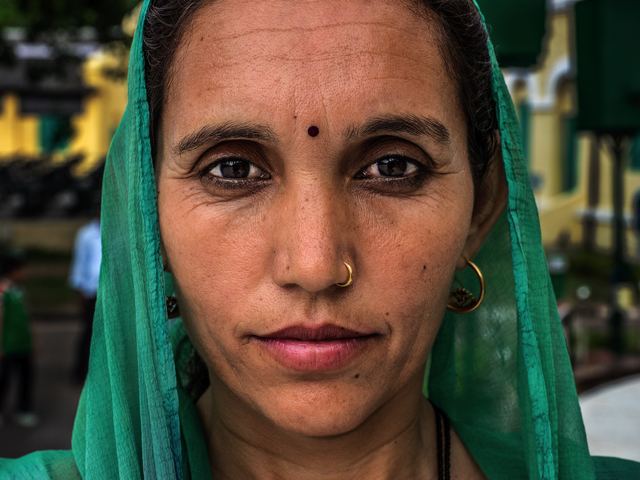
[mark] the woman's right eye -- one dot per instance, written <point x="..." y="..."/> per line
<point x="236" y="169"/>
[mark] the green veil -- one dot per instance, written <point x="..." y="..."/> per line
<point x="501" y="373"/>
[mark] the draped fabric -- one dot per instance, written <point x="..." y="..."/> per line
<point x="501" y="373"/>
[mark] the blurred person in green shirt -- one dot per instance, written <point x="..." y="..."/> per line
<point x="15" y="339"/>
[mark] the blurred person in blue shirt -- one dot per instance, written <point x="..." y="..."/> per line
<point x="85" y="271"/>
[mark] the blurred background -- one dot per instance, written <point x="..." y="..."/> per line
<point x="572" y="70"/>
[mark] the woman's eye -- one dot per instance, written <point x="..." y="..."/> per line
<point x="237" y="169"/>
<point x="390" y="167"/>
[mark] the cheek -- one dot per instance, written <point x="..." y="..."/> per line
<point x="408" y="262"/>
<point x="218" y="261"/>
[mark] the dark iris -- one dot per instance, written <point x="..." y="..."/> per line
<point x="235" y="169"/>
<point x="392" y="167"/>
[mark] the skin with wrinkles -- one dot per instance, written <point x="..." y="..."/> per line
<point x="256" y="255"/>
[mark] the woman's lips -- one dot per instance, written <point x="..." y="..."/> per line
<point x="327" y="347"/>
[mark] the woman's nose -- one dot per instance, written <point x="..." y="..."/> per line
<point x="312" y="240"/>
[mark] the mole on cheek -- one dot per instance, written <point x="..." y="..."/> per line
<point x="313" y="131"/>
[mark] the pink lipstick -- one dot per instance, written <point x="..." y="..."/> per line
<point x="327" y="347"/>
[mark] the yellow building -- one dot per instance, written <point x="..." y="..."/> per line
<point x="560" y="158"/>
<point x="18" y="133"/>
<point x="95" y="127"/>
<point x="101" y="100"/>
<point x="102" y="108"/>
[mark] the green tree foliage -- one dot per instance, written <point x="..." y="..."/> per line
<point x="43" y="19"/>
<point x="60" y="23"/>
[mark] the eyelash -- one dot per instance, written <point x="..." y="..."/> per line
<point x="399" y="183"/>
<point x="405" y="184"/>
<point x="230" y="183"/>
<point x="420" y="168"/>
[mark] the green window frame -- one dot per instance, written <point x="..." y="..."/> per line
<point x="55" y="133"/>
<point x="524" y="116"/>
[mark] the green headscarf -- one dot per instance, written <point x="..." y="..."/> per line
<point x="501" y="373"/>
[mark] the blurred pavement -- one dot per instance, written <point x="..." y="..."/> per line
<point x="612" y="419"/>
<point x="55" y="399"/>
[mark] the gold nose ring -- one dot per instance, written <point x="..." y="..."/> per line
<point x="350" y="281"/>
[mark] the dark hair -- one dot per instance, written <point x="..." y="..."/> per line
<point x="11" y="262"/>
<point x="463" y="47"/>
<point x="164" y="26"/>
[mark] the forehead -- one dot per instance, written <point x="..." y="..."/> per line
<point x="308" y="57"/>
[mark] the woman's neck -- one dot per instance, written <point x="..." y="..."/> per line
<point x="397" y="441"/>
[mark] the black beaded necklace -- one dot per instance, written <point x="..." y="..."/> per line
<point x="444" y="447"/>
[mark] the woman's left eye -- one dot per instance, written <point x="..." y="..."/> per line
<point x="390" y="167"/>
<point x="236" y="169"/>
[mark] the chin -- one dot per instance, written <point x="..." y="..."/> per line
<point x="335" y="416"/>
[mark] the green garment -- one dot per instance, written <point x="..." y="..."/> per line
<point x="16" y="335"/>
<point x="501" y="373"/>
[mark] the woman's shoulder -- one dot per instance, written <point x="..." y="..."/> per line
<point x="610" y="468"/>
<point x="45" y="465"/>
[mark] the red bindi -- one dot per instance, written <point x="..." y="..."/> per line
<point x="313" y="131"/>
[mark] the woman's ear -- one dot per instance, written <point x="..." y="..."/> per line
<point x="491" y="201"/>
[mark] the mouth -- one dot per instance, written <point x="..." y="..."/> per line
<point x="327" y="347"/>
<point x="322" y="333"/>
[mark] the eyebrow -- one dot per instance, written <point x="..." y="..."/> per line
<point x="225" y="131"/>
<point x="410" y="124"/>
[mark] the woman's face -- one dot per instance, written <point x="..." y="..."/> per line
<point x="257" y="216"/>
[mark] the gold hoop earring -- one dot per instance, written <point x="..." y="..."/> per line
<point x="350" y="281"/>
<point x="462" y="300"/>
<point x="173" y="310"/>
